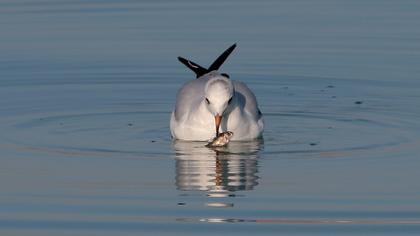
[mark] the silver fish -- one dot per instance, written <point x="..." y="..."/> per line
<point x="221" y="140"/>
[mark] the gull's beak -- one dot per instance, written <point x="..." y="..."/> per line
<point x="217" y="120"/>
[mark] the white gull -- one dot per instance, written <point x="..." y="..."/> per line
<point x="214" y="103"/>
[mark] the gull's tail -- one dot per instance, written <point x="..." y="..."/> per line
<point x="199" y="70"/>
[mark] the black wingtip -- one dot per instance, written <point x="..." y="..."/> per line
<point x="198" y="70"/>
<point x="222" y="58"/>
<point x="225" y="75"/>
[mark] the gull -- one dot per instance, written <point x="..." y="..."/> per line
<point x="214" y="103"/>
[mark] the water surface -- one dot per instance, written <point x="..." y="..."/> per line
<point x="87" y="87"/>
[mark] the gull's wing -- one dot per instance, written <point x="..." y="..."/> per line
<point x="189" y="97"/>
<point x="200" y="71"/>
<point x="222" y="58"/>
<point x="247" y="99"/>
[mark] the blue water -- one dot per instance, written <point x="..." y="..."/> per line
<point x="87" y="87"/>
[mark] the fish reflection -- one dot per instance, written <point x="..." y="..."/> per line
<point x="220" y="172"/>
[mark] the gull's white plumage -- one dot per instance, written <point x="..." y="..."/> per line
<point x="211" y="94"/>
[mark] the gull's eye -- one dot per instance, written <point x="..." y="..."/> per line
<point x="207" y="100"/>
<point x="230" y="100"/>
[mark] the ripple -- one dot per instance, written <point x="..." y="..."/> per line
<point x="124" y="132"/>
<point x="93" y="133"/>
<point x="335" y="131"/>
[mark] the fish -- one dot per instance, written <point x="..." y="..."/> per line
<point x="221" y="140"/>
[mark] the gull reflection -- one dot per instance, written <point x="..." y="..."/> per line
<point x="220" y="172"/>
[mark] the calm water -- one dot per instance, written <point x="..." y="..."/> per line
<point x="87" y="87"/>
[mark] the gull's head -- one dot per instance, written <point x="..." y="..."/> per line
<point x="218" y="96"/>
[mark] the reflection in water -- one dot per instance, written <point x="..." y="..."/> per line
<point x="218" y="171"/>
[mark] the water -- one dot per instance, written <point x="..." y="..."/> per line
<point x="87" y="87"/>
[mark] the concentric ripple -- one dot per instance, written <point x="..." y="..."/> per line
<point x="303" y="120"/>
